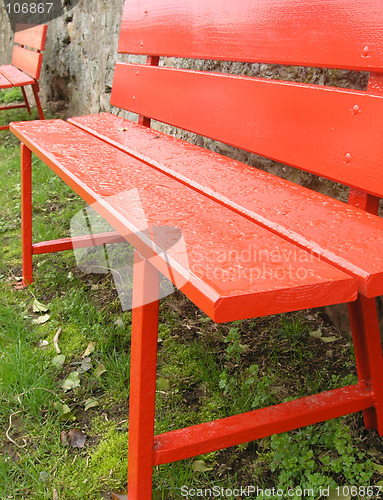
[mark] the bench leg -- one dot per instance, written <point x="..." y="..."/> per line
<point x="142" y="378"/>
<point x="368" y="353"/>
<point x="26" y="100"/>
<point x="26" y="214"/>
<point x="35" y="88"/>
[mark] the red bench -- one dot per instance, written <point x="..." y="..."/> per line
<point x="307" y="250"/>
<point x="26" y="64"/>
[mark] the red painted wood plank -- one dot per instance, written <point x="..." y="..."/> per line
<point x="214" y="270"/>
<point x="230" y="431"/>
<point x="76" y="242"/>
<point x="31" y="35"/>
<point x="13" y="106"/>
<point x="15" y="76"/>
<point x="364" y="201"/>
<point x="26" y="215"/>
<point x="329" y="132"/>
<point x="28" y="61"/>
<point x="368" y="352"/>
<point x="143" y="364"/>
<point x="4" y="82"/>
<point x="350" y="238"/>
<point x="321" y="33"/>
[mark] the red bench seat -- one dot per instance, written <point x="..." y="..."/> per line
<point x="298" y="214"/>
<point x="227" y="288"/>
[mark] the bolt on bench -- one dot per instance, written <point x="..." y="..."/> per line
<point x="328" y="252"/>
<point x="26" y="64"/>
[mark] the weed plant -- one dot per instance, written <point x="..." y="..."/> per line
<point x="11" y="95"/>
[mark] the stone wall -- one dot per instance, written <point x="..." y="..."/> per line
<point x="6" y="37"/>
<point x="79" y="59"/>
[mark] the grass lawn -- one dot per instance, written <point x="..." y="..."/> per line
<point x="50" y="404"/>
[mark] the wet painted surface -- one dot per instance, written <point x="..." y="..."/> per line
<point x="325" y="33"/>
<point x="311" y="127"/>
<point x="233" y="268"/>
<point x="347" y="236"/>
<point x="249" y="238"/>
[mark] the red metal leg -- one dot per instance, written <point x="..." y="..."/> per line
<point x="368" y="353"/>
<point x="142" y="378"/>
<point x="26" y="100"/>
<point x="35" y="88"/>
<point x="26" y="214"/>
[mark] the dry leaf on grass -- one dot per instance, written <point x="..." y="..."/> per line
<point x="58" y="361"/>
<point x="76" y="438"/>
<point x="39" y="307"/>
<point x="89" y="349"/>
<point x="41" y="319"/>
<point x="64" y="438"/>
<point x="99" y="370"/>
<point x="71" y="382"/>
<point x="90" y="403"/>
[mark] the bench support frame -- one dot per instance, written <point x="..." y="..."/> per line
<point x="35" y="89"/>
<point x="26" y="63"/>
<point x="143" y="363"/>
<point x="147" y="450"/>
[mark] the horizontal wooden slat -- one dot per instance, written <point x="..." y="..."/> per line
<point x="230" y="431"/>
<point x="222" y="285"/>
<point x="322" y="33"/>
<point x="4" y="82"/>
<point x="14" y="75"/>
<point x="326" y="131"/>
<point x="31" y="35"/>
<point x="327" y="227"/>
<point x="28" y="61"/>
<point x="63" y="244"/>
<point x="13" y="106"/>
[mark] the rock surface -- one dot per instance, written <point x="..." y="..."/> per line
<point x="79" y="59"/>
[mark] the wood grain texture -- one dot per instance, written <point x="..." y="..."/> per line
<point x="320" y="33"/>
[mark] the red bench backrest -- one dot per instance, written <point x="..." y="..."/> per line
<point x="23" y="57"/>
<point x="334" y="133"/>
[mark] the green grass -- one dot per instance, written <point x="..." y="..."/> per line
<point x="13" y="94"/>
<point x="205" y="371"/>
